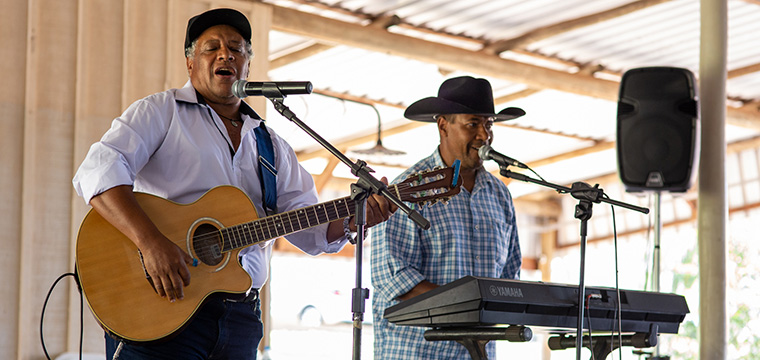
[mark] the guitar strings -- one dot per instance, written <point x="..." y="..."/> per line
<point x="246" y="234"/>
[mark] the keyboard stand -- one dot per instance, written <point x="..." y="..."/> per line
<point x="604" y="344"/>
<point x="476" y="338"/>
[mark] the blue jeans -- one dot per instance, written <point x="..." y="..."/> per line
<point x="220" y="329"/>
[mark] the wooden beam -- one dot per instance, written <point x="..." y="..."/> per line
<point x="382" y="22"/>
<point x="677" y="222"/>
<point x="602" y="146"/>
<point x="450" y="57"/>
<point x="446" y="56"/>
<point x="547" y="131"/>
<point x="530" y="263"/>
<point x="322" y="179"/>
<point x="548" y="246"/>
<point x="358" y="140"/>
<point x="746" y="144"/>
<point x="629" y="232"/>
<point x="359" y="99"/>
<point x="297" y="55"/>
<point x="565" y="26"/>
<point x="744" y="71"/>
<point x="732" y="148"/>
<point x="550" y="208"/>
<point x="518" y="95"/>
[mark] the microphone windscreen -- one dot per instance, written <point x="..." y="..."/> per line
<point x="483" y="152"/>
<point x="238" y="88"/>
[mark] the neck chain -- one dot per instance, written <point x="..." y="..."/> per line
<point x="233" y="121"/>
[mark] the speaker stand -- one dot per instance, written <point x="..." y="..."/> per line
<point x="656" y="259"/>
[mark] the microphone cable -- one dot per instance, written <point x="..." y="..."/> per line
<point x="618" y="305"/>
<point x="81" y="314"/>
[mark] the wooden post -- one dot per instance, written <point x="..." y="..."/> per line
<point x="712" y="213"/>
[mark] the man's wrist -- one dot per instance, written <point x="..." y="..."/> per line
<point x="347" y="230"/>
<point x="351" y="234"/>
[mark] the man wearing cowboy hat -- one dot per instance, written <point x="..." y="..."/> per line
<point x="474" y="234"/>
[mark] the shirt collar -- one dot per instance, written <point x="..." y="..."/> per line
<point x="481" y="177"/>
<point x="188" y="94"/>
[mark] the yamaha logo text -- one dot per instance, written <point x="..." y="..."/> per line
<point x="506" y="291"/>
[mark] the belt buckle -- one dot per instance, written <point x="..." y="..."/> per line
<point x="253" y="295"/>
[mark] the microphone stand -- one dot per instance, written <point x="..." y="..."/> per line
<point x="586" y="196"/>
<point x="360" y="192"/>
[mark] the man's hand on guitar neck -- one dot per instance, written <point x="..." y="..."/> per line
<point x="164" y="261"/>
<point x="378" y="209"/>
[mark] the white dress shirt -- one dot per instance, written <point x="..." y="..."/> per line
<point x="174" y="146"/>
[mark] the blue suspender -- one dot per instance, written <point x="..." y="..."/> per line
<point x="267" y="170"/>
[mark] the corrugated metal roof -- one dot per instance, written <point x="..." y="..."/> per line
<point x="666" y="34"/>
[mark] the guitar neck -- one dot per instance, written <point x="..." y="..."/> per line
<point x="274" y="226"/>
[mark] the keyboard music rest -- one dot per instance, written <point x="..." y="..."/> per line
<point x="476" y="301"/>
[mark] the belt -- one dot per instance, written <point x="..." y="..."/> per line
<point x="251" y="296"/>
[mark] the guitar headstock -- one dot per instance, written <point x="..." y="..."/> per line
<point x="430" y="186"/>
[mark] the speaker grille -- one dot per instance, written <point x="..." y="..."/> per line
<point x="657" y="129"/>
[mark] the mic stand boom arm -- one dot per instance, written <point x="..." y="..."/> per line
<point x="586" y="195"/>
<point x="365" y="186"/>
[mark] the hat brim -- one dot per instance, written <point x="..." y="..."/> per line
<point x="428" y="108"/>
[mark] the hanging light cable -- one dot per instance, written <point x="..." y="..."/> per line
<point x="378" y="149"/>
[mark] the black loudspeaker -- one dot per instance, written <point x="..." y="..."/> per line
<point x="657" y="129"/>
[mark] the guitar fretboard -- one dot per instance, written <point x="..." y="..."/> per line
<point x="270" y="227"/>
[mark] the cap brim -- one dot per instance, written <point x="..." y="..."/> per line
<point x="428" y="108"/>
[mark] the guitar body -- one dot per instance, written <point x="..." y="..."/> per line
<point x="115" y="284"/>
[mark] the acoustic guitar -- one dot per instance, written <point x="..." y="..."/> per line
<point x="212" y="230"/>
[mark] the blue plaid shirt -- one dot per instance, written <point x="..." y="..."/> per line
<point x="474" y="234"/>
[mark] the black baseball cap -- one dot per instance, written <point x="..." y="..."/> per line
<point x="199" y="23"/>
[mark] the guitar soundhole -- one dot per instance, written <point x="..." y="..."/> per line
<point x="207" y="244"/>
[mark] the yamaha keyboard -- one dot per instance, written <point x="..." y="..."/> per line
<point x="476" y="301"/>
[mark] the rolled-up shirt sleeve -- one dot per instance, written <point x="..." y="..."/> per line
<point x="122" y="151"/>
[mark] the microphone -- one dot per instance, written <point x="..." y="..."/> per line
<point x="486" y="152"/>
<point x="242" y="88"/>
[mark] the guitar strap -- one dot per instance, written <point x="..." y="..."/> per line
<point x="267" y="170"/>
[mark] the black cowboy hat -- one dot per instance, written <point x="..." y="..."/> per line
<point x="199" y="23"/>
<point x="460" y="95"/>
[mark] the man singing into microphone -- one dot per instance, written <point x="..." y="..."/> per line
<point x="474" y="234"/>
<point x="180" y="143"/>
